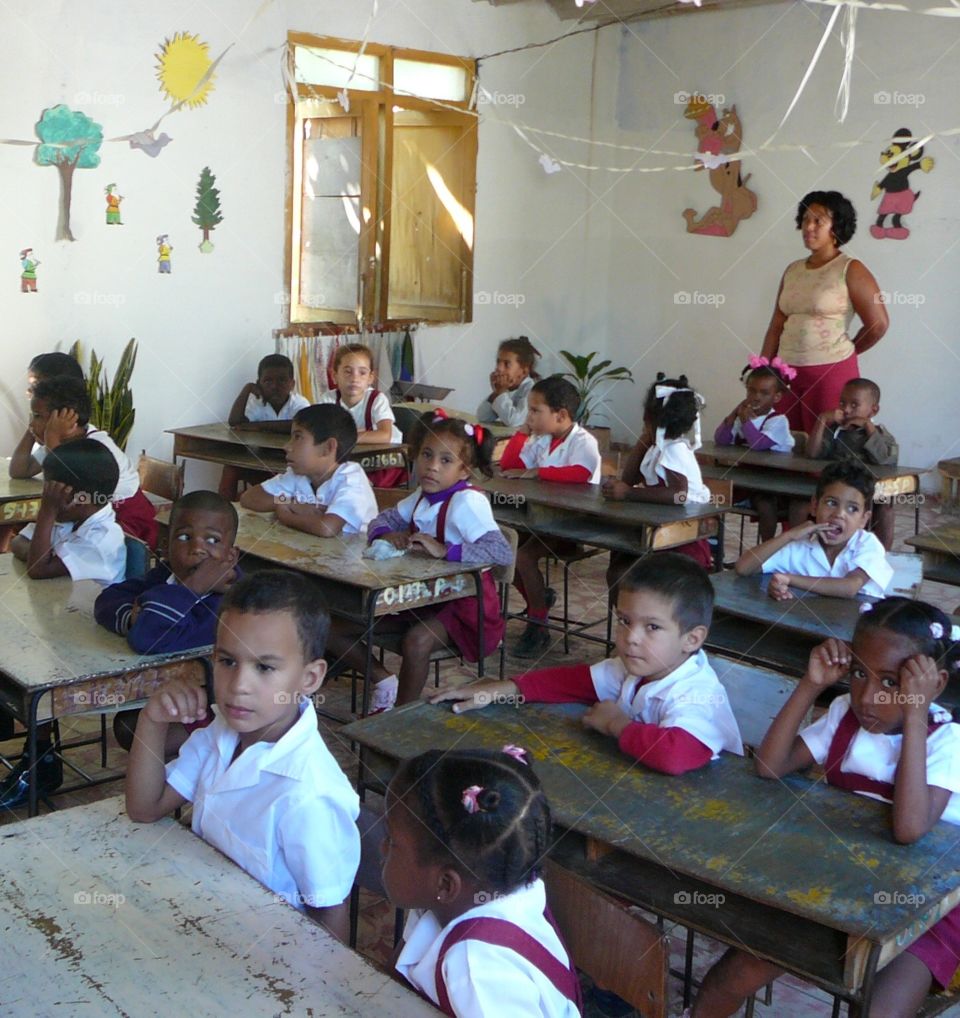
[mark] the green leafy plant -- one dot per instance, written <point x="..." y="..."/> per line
<point x="111" y="404"/>
<point x="588" y="378"/>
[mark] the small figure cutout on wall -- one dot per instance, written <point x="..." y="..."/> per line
<point x="28" y="271"/>
<point x="113" y="205"/>
<point x="898" y="199"/>
<point x="206" y="213"/>
<point x="718" y="139"/>
<point x="164" y="247"/>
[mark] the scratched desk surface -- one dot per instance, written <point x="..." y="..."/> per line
<point x="48" y="636"/>
<point x="101" y="916"/>
<point x="12" y="489"/>
<point x="794" y="845"/>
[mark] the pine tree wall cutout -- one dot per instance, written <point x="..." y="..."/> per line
<point x="206" y="213"/>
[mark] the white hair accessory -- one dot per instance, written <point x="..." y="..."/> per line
<point x="936" y="630"/>
<point x="664" y="392"/>
<point x="955" y="634"/>
<point x="867" y="606"/>
<point x="468" y="429"/>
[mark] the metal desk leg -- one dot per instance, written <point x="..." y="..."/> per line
<point x="32" y="754"/>
<point x="478" y="580"/>
<point x="861" y="1008"/>
<point x="368" y="661"/>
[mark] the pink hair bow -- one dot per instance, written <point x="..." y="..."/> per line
<point x="778" y="364"/>
<point x="469" y="798"/>
<point x="439" y="414"/>
<point x="517" y="752"/>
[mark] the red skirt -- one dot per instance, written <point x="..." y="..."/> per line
<point x="815" y="390"/>
<point x="138" y="518"/>
<point x="388" y="477"/>
<point x="939" y="948"/>
<point x="699" y="551"/>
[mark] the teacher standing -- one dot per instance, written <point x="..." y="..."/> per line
<point x="819" y="295"/>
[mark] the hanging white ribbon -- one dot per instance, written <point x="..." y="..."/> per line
<point x="848" y="38"/>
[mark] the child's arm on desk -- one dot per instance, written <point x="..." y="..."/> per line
<point x="673" y="492"/>
<point x="22" y="463"/>
<point x="238" y="412"/>
<point x="311" y="519"/>
<point x="380" y="434"/>
<point x="38" y="552"/>
<point x="567" y="684"/>
<point x="827" y="586"/>
<point x="782" y="750"/>
<point x="258" y="500"/>
<point x="751" y="561"/>
<point x="148" y="795"/>
<point x="668" y="750"/>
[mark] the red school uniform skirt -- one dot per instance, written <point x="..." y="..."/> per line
<point x="138" y="518"/>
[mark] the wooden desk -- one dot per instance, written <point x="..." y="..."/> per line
<point x="579" y="512"/>
<point x="56" y="661"/>
<point x="263" y="450"/>
<point x="19" y="499"/>
<point x="891" y="481"/>
<point x="356" y="588"/>
<point x="800" y="873"/>
<point x="103" y="916"/>
<point x="940" y="547"/>
<point x="771" y="482"/>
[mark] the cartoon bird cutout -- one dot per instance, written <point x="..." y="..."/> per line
<point x="898" y="199"/>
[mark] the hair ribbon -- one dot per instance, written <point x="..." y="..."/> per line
<point x="469" y="799"/>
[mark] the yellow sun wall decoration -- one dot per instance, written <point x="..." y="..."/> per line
<point x="182" y="63"/>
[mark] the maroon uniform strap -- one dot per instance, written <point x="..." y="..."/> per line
<point x="368" y="413"/>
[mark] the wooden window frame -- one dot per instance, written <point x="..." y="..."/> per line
<point x="376" y="114"/>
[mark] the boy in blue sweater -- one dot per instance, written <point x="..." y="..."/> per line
<point x="174" y="607"/>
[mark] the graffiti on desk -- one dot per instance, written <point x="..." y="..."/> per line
<point x="382" y="460"/>
<point x="21" y="509"/>
<point x="408" y="595"/>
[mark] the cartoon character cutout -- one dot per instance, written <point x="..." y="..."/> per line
<point x="164" y="247"/>
<point x="113" y="205"/>
<point x="28" y="271"/>
<point x="719" y="138"/>
<point x="898" y="199"/>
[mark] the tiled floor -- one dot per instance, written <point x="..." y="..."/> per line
<point x="792" y="997"/>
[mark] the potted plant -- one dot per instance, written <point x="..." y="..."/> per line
<point x="589" y="378"/>
<point x="111" y="405"/>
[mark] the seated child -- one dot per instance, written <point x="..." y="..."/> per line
<point x="755" y="423"/>
<point x="46" y="366"/>
<point x="466" y="834"/>
<point x="174" y="607"/>
<point x="60" y="413"/>
<point x="443" y="518"/>
<point x="321" y="493"/>
<point x="75" y="535"/>
<point x="370" y="409"/>
<point x="833" y="555"/>
<point x="557" y="449"/>
<point x="662" y="467"/>
<point x="850" y="433"/>
<point x="887" y="739"/>
<point x="659" y="697"/>
<point x="268" y="404"/>
<point x="510" y="383"/>
<point x="265" y="789"/>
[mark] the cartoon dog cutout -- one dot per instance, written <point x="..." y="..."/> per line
<point x="898" y="199"/>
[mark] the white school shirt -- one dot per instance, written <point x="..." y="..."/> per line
<point x="508" y="408"/>
<point x="283" y="811"/>
<point x="380" y="411"/>
<point x="484" y="979"/>
<point x="674" y="454"/>
<point x="469" y="515"/>
<point x="346" y="493"/>
<point x="578" y="449"/>
<point x="862" y="551"/>
<point x="691" y="697"/>
<point x="877" y="756"/>
<point x="128" y="484"/>
<point x="258" y="409"/>
<point x="93" y="551"/>
<point x="776" y="427"/>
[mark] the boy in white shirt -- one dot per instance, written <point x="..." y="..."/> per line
<point x="266" y="790"/>
<point x="659" y="697"/>
<point x="320" y="493"/>
<point x="833" y="555"/>
<point x="76" y="533"/>
<point x="552" y="448"/>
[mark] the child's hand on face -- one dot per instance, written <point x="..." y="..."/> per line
<point x="177" y="701"/>
<point x="832" y="417"/>
<point x="779" y="587"/>
<point x="614" y="489"/>
<point x="920" y="683"/>
<point x="56" y="495"/>
<point x="803" y="530"/>
<point x="829" y="663"/>
<point x="498" y="382"/>
<point x="607" y="718"/>
<point x="744" y="411"/>
<point x="213" y="574"/>
<point x="61" y="424"/>
<point x="428" y="544"/>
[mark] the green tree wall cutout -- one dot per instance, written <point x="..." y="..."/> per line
<point x="206" y="213"/>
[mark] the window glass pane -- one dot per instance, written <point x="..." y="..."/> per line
<point x="333" y="67"/>
<point x="434" y="81"/>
